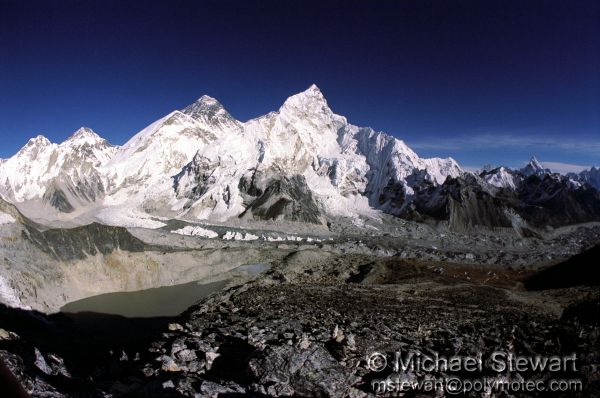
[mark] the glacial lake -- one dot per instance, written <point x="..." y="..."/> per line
<point x="155" y="302"/>
<point x="163" y="301"/>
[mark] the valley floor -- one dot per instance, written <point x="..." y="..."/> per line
<point x="310" y="327"/>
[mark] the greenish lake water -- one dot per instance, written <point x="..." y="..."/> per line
<point x="155" y="302"/>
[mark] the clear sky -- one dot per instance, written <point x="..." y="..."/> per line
<point x="482" y="81"/>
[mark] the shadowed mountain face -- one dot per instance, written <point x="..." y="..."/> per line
<point x="463" y="202"/>
<point x="582" y="269"/>
<point x="550" y="200"/>
<point x="591" y="176"/>
<point x="536" y="201"/>
<point x="10" y="210"/>
<point x="67" y="244"/>
<point x="88" y="240"/>
<point x="285" y="199"/>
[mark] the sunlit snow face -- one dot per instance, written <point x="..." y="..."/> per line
<point x="192" y="162"/>
<point x="6" y="218"/>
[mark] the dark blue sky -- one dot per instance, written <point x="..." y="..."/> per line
<point x="483" y="81"/>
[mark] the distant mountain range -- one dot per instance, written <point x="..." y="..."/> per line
<point x="300" y="163"/>
<point x="525" y="200"/>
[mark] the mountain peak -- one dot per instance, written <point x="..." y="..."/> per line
<point x="534" y="167"/>
<point x="204" y="104"/>
<point x="84" y="132"/>
<point x="311" y="92"/>
<point x="309" y="101"/>
<point x="207" y="99"/>
<point x="535" y="163"/>
<point x="210" y="111"/>
<point x="38" y="140"/>
<point x="34" y="145"/>
<point x="313" y="89"/>
<point x="84" y="135"/>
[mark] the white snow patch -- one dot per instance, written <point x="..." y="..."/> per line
<point x="250" y="236"/>
<point x="6" y="218"/>
<point x="129" y="218"/>
<point x="503" y="178"/>
<point x="196" y="231"/>
<point x="9" y="296"/>
<point x="229" y="235"/>
<point x="292" y="238"/>
<point x="275" y="239"/>
<point x="518" y="223"/>
<point x="357" y="221"/>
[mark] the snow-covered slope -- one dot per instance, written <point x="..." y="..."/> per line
<point x="211" y="115"/>
<point x="6" y="218"/>
<point x="502" y="177"/>
<point x="535" y="202"/>
<point x="302" y="163"/>
<point x="591" y="176"/>
<point x="534" y="167"/>
<point x="65" y="175"/>
<point x="141" y="171"/>
<point x="311" y="153"/>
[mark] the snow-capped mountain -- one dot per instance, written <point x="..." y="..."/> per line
<point x="591" y="176"/>
<point x="64" y="175"/>
<point x="142" y="169"/>
<point x="211" y="114"/>
<point x="508" y="199"/>
<point x="502" y="177"/>
<point x="301" y="163"/>
<point x="534" y="167"/>
<point x="303" y="148"/>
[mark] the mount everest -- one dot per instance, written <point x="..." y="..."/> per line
<point x="300" y="163"/>
<point x="359" y="218"/>
<point x="202" y="163"/>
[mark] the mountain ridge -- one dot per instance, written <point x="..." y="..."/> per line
<point x="302" y="162"/>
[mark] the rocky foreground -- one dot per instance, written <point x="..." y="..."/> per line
<point x="309" y="327"/>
